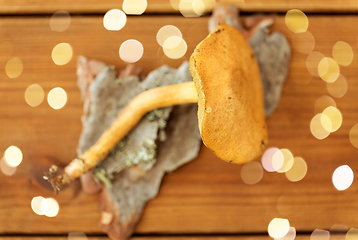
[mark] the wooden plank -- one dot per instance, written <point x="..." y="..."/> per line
<point x="298" y="237"/>
<point x="205" y="196"/>
<point x="164" y="6"/>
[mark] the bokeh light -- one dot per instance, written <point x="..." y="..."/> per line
<point x="175" y="47"/>
<point x="298" y="170"/>
<point x="342" y="177"/>
<point x="13" y="156"/>
<point x="320" y="126"/>
<point x="304" y="42"/>
<point x="134" y="7"/>
<point x="296" y="21"/>
<point x="272" y="159"/>
<point x="342" y="53"/>
<point x="352" y="234"/>
<point x="62" y="54"/>
<point x="49" y="207"/>
<point x="34" y="95"/>
<point x="319" y="234"/>
<point x="60" y="21"/>
<point x="335" y="117"/>
<point x="166" y="32"/>
<point x="186" y="8"/>
<point x="338" y="228"/>
<point x="353" y="135"/>
<point x="131" y="51"/>
<point x="322" y="103"/>
<point x="278" y="227"/>
<point x="14" y="67"/>
<point x="198" y="7"/>
<point x="328" y="69"/>
<point x="291" y="235"/>
<point x="287" y="160"/>
<point x="312" y="61"/>
<point x="36" y="205"/>
<point x="114" y="20"/>
<point x="251" y="173"/>
<point x="6" y="169"/>
<point x="339" y="87"/>
<point x="77" y="236"/>
<point x="57" y="98"/>
<point x="106" y="218"/>
<point x="175" y="4"/>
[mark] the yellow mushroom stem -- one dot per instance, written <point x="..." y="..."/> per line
<point x="127" y="119"/>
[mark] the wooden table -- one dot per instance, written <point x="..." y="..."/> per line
<point x="206" y="199"/>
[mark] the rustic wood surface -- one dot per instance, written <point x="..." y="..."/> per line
<point x="165" y="6"/>
<point x="203" y="197"/>
<point x="299" y="237"/>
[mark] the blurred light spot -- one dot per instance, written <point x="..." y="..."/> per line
<point x="14" y="67"/>
<point x="284" y="205"/>
<point x="50" y="207"/>
<point x="342" y="177"/>
<point x="338" y="228"/>
<point x="251" y="173"/>
<point x="134" y="7"/>
<point x="342" y="53"/>
<point x="106" y="218"/>
<point x="326" y="122"/>
<point x="320" y="126"/>
<point x="291" y="235"/>
<point x="296" y="21"/>
<point x="198" y="7"/>
<point x="287" y="160"/>
<point x="305" y="80"/>
<point x="13" y="156"/>
<point x="6" y="169"/>
<point x="304" y="42"/>
<point x="272" y="160"/>
<point x="328" y="69"/>
<point x="60" y="21"/>
<point x="278" y="227"/>
<point x="34" y="95"/>
<point x="114" y="20"/>
<point x="175" y="47"/>
<point x="319" y="234"/>
<point x="57" y="98"/>
<point x="353" y="135"/>
<point x="167" y="31"/>
<point x="175" y="4"/>
<point x="352" y="234"/>
<point x="77" y="236"/>
<point x="335" y="117"/>
<point x="322" y="103"/>
<point x="312" y="61"/>
<point x="339" y="87"/>
<point x="62" y="54"/>
<point x="131" y="51"/>
<point x="186" y="8"/>
<point x="36" y="205"/>
<point x="298" y="170"/>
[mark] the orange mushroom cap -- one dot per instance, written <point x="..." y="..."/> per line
<point x="231" y="104"/>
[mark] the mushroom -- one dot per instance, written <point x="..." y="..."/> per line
<point x="227" y="88"/>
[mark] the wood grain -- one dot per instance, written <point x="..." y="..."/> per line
<point x="165" y="6"/>
<point x="299" y="237"/>
<point x="205" y="196"/>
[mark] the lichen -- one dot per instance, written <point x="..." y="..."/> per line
<point x="155" y="115"/>
<point x="100" y="175"/>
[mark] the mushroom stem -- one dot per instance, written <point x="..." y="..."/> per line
<point x="128" y="118"/>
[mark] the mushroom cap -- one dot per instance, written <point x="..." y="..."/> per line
<point x="230" y="96"/>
